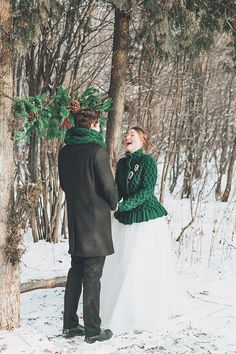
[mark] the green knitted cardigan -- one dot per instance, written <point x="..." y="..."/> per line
<point x="136" y="177"/>
<point x="77" y="135"/>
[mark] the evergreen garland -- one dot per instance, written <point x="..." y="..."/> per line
<point x="51" y="116"/>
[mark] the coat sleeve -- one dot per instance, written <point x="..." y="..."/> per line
<point x="117" y="179"/>
<point x="146" y="189"/>
<point x="104" y="175"/>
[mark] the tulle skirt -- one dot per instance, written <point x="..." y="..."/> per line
<point x="138" y="280"/>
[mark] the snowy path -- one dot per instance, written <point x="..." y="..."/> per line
<point x="206" y="321"/>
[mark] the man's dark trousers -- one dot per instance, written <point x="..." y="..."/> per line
<point x="86" y="271"/>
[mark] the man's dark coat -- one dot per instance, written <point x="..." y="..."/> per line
<point x="86" y="178"/>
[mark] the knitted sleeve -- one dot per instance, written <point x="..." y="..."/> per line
<point x="146" y="188"/>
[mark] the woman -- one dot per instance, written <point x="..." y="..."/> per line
<point x="137" y="279"/>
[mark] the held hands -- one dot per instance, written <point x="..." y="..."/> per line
<point x="117" y="206"/>
<point x="113" y="211"/>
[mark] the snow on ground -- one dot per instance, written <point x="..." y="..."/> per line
<point x="43" y="260"/>
<point x="205" y="318"/>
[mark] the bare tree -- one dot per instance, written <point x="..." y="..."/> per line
<point x="71" y="49"/>
<point x="118" y="79"/>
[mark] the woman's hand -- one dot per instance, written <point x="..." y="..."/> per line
<point x="113" y="211"/>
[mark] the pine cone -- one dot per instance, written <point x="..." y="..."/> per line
<point x="46" y="101"/>
<point x="32" y="115"/>
<point x="74" y="106"/>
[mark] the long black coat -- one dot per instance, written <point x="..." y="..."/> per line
<point x="90" y="190"/>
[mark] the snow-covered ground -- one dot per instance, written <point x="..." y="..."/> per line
<point x="205" y="319"/>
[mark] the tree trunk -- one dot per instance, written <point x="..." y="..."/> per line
<point x="117" y="83"/>
<point x="9" y="275"/>
<point x="56" y="219"/>
<point x="222" y="162"/>
<point x="226" y="193"/>
<point x="33" y="170"/>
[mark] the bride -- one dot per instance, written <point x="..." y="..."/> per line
<point x="137" y="282"/>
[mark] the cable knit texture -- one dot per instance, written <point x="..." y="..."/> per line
<point x="77" y="135"/>
<point x="136" y="177"/>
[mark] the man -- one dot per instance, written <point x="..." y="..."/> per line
<point x="90" y="191"/>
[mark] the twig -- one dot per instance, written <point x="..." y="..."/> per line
<point x="5" y="95"/>
<point x="24" y="340"/>
<point x="229" y="244"/>
<point x="211" y="314"/>
<point x="209" y="301"/>
<point x="195" y="212"/>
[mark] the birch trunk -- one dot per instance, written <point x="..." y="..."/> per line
<point x="9" y="274"/>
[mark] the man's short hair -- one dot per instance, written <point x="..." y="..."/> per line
<point x="85" y="117"/>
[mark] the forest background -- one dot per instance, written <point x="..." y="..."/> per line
<point x="169" y="67"/>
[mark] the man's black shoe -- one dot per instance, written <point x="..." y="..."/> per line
<point x="104" y="335"/>
<point x="71" y="332"/>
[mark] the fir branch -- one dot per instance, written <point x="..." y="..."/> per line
<point x="47" y="115"/>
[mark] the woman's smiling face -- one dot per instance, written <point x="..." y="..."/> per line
<point x="132" y="141"/>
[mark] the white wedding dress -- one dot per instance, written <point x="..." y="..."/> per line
<point x="137" y="289"/>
